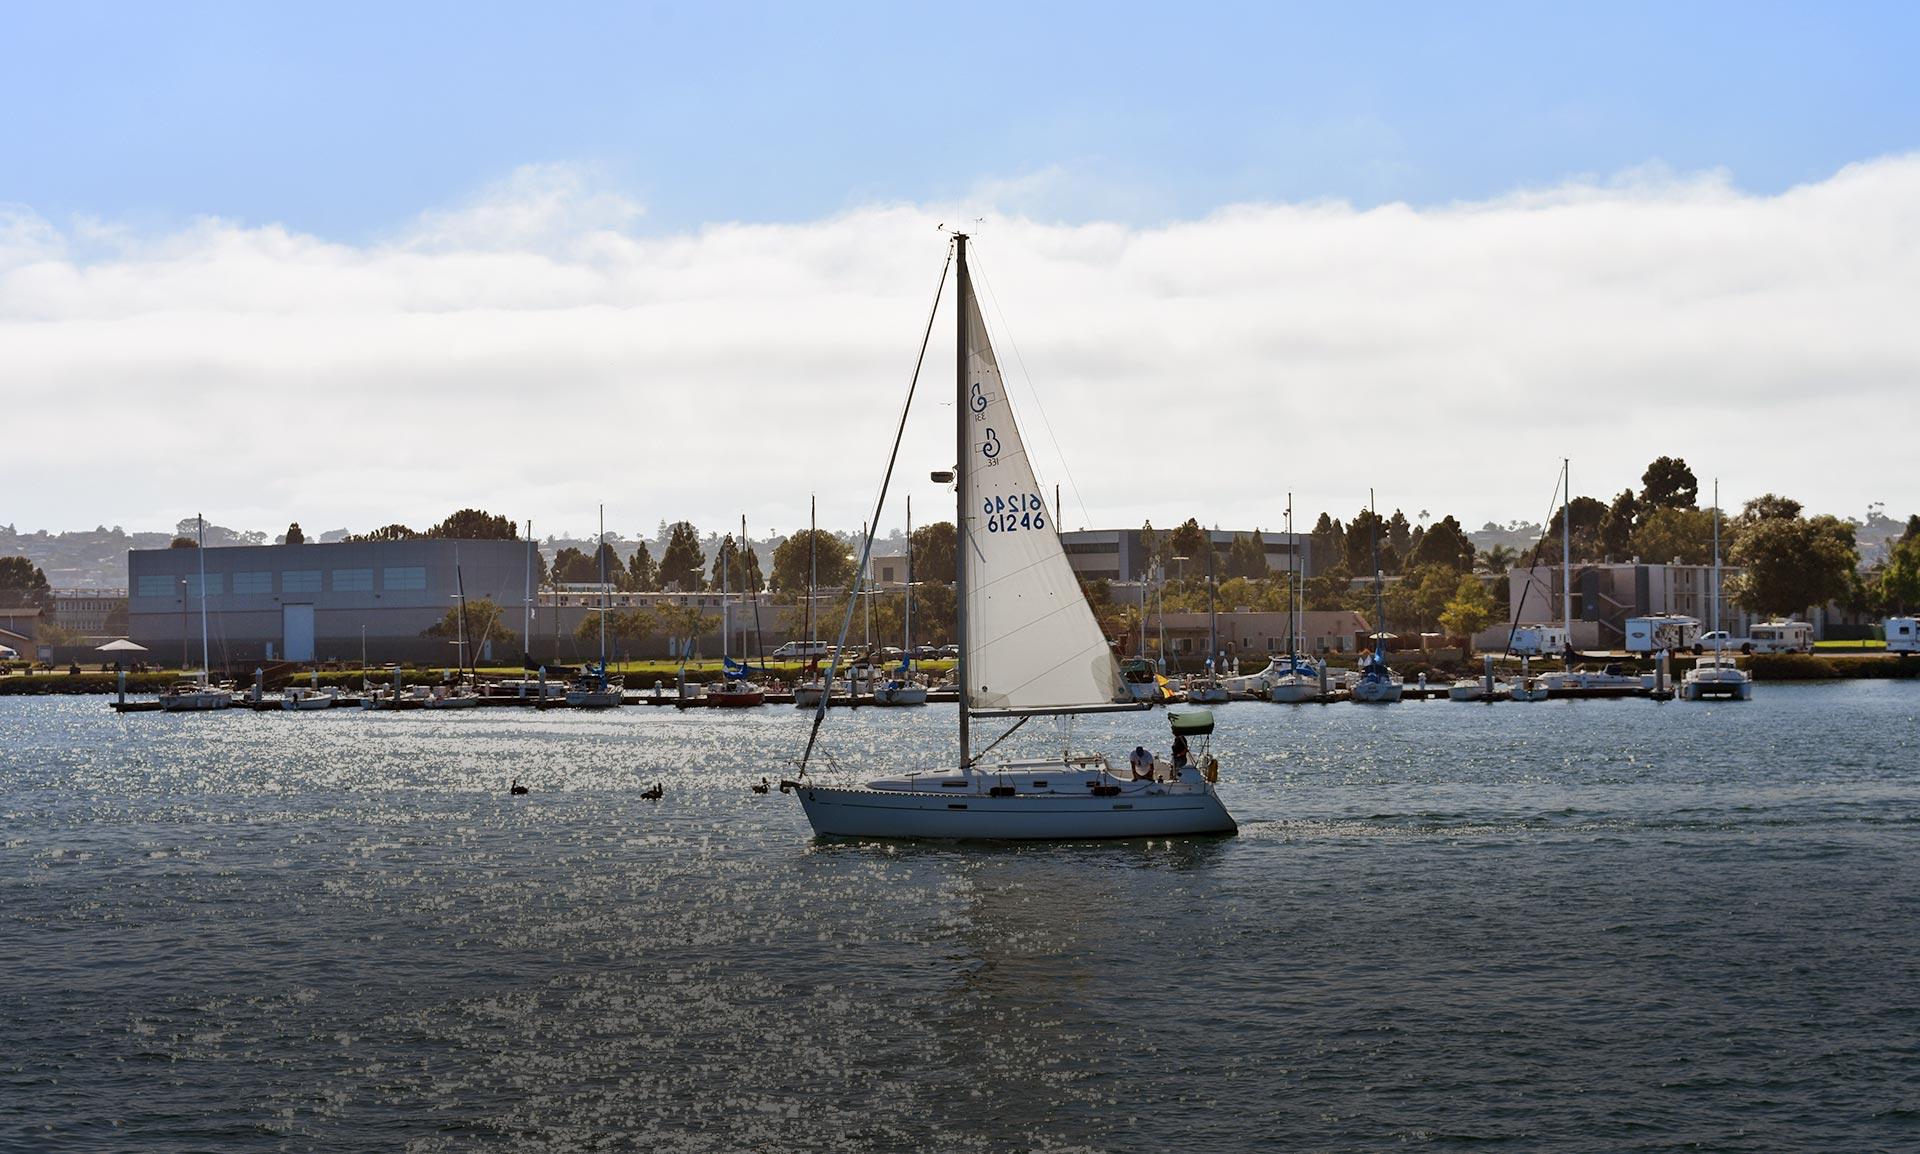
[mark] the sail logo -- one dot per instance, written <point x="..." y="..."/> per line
<point x="979" y="401"/>
<point x="990" y="448"/>
<point x="1012" y="514"/>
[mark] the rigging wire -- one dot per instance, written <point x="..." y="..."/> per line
<point x="1533" y="563"/>
<point x="879" y="503"/>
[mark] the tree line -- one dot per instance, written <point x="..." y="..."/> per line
<point x="1789" y="562"/>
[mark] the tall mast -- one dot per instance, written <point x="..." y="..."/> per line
<point x="602" y="551"/>
<point x="813" y="562"/>
<point x="1717" y="639"/>
<point x="1379" y="591"/>
<point x="1293" y="629"/>
<point x="1566" y="546"/>
<point x="460" y="616"/>
<point x="203" y="597"/>
<point x="906" y="640"/>
<point x="746" y="585"/>
<point x="963" y="289"/>
<point x="526" y="627"/>
<point x="1213" y="618"/>
<point x="726" y="612"/>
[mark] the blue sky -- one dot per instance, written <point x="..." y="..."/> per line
<point x="1360" y="231"/>
<point x="348" y="120"/>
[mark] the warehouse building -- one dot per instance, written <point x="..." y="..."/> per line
<point x="318" y="601"/>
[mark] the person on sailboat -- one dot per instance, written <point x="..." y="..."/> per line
<point x="1142" y="763"/>
<point x="1180" y="754"/>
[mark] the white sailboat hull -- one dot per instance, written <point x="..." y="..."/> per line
<point x="1293" y="689"/>
<point x="453" y="701"/>
<point x="595" y="698"/>
<point x="1175" y="811"/>
<point x="205" y="699"/>
<point x="1730" y="684"/>
<point x="1374" y="692"/>
<point x="899" y="695"/>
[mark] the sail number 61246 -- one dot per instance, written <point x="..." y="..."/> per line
<point x="1012" y="514"/>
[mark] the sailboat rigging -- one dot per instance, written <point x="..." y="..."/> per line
<point x="1029" y="647"/>
<point x="197" y="695"/>
<point x="593" y="689"/>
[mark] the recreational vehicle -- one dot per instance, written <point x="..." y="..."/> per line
<point x="1665" y="631"/>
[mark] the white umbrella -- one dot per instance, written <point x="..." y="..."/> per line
<point x="120" y="646"/>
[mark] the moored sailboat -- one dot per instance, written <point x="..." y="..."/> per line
<point x="1298" y="680"/>
<point x="1029" y="647"/>
<point x="1378" y="684"/>
<point x="1716" y="675"/>
<point x="900" y="688"/>
<point x="197" y="695"/>
<point x="593" y="689"/>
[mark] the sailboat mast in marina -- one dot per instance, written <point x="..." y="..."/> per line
<point x="593" y="690"/>
<point x="1030" y="647"/>
<point x="198" y="694"/>
<point x="1717" y="676"/>
<point x="900" y="687"/>
<point x="736" y="686"/>
<point x="1378" y="685"/>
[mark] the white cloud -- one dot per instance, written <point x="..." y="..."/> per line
<point x="532" y="353"/>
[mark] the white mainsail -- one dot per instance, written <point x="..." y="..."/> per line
<point x="1032" y="641"/>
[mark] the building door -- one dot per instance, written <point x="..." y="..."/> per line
<point x="296" y="632"/>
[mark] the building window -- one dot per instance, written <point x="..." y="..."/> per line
<point x="353" y="580"/>
<point x="157" y="585"/>
<point x="300" y="581"/>
<point x="403" y="577"/>
<point x="214" y="585"/>
<point x="253" y="582"/>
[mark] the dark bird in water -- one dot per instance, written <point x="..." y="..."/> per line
<point x="654" y="794"/>
<point x="761" y="788"/>
<point x="516" y="788"/>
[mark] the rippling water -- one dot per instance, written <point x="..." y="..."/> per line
<point x="1592" y="926"/>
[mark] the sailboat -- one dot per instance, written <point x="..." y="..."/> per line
<point x="1582" y="682"/>
<point x="1029" y="647"/>
<point x="736" y="690"/>
<point x="592" y="689"/>
<point x="460" y="693"/>
<point x="197" y="694"/>
<point x="1378" y="685"/>
<point x="304" y="698"/>
<point x="1207" y="688"/>
<point x="1298" y="680"/>
<point x="901" y="688"/>
<point x="812" y="691"/>
<point x="1716" y="676"/>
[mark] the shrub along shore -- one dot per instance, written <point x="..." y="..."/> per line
<point x="640" y="675"/>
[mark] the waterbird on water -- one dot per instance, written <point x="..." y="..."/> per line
<point x="653" y="794"/>
<point x="516" y="788"/>
<point x="761" y="788"/>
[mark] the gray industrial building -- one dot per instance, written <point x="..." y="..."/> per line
<point x="312" y="602"/>
<point x="1119" y="554"/>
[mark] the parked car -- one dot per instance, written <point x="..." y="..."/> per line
<point x="802" y="651"/>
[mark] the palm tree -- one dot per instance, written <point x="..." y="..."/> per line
<point x="1496" y="559"/>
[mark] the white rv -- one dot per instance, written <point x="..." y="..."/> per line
<point x="1903" y="634"/>
<point x="1663" y="631"/>
<point x="1782" y="637"/>
<point x="1538" y="640"/>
